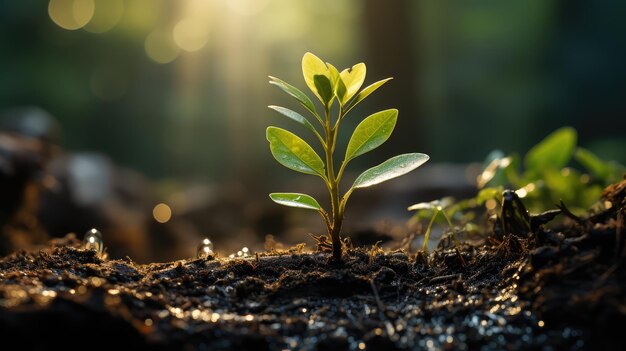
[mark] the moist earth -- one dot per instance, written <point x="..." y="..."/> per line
<point x="560" y="288"/>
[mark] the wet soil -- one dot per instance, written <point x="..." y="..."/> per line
<point x="558" y="289"/>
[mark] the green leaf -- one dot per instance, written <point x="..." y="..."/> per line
<point x="592" y="163"/>
<point x="364" y="93"/>
<point x="296" y="117"/>
<point x="353" y="79"/>
<point x="493" y="170"/>
<point x="296" y="200"/>
<point x="553" y="152"/>
<point x="488" y="194"/>
<point x="392" y="168"/>
<point x="295" y="93"/>
<point x="324" y="89"/>
<point x="438" y="205"/>
<point x="512" y="173"/>
<point x="371" y="133"/>
<point x="339" y="87"/>
<point x="294" y="153"/>
<point x="313" y="66"/>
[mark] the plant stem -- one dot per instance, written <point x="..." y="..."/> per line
<point x="456" y="240"/>
<point x="427" y="234"/>
<point x="333" y="188"/>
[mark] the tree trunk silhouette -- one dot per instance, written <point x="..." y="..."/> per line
<point x="390" y="52"/>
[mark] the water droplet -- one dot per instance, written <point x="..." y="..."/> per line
<point x="205" y="249"/>
<point x="244" y="252"/>
<point x="93" y="240"/>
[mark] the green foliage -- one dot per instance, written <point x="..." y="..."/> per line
<point x="371" y="133"/>
<point x="294" y="153"/>
<point x="437" y="208"/>
<point x="328" y="85"/>
<point x="296" y="200"/>
<point x="432" y="209"/>
<point x="392" y="168"/>
<point x="547" y="178"/>
<point x="553" y="152"/>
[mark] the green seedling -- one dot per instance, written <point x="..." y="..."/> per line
<point x="546" y="177"/>
<point x="330" y="85"/>
<point x="436" y="208"/>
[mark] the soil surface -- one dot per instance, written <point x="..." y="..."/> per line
<point x="550" y="289"/>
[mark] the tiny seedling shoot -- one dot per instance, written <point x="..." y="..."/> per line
<point x="437" y="207"/>
<point x="328" y="85"/>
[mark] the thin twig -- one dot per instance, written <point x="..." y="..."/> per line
<point x="561" y="206"/>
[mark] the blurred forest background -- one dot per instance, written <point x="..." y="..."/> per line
<point x="177" y="90"/>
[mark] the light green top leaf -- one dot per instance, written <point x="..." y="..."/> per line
<point x="339" y="87"/>
<point x="353" y="79"/>
<point x="371" y="133"/>
<point x="324" y="89"/>
<point x="313" y="66"/>
<point x="364" y="93"/>
<point x="295" y="93"/>
<point x="294" y="153"/>
<point x="554" y="151"/>
<point x="392" y="168"/>
<point x="296" y="200"/>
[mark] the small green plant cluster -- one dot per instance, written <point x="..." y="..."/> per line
<point x="547" y="177"/>
<point x="545" y="180"/>
<point x="329" y="85"/>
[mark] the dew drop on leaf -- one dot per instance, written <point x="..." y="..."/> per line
<point x="93" y="240"/>
<point x="205" y="249"/>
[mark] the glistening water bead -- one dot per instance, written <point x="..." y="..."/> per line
<point x="93" y="240"/>
<point x="205" y="249"/>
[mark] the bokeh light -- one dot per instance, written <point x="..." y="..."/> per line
<point x="191" y="34"/>
<point x="162" y="213"/>
<point x="160" y="46"/>
<point x="142" y="15"/>
<point x="107" y="15"/>
<point x="71" y="14"/>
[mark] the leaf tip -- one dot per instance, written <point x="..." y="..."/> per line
<point x="268" y="131"/>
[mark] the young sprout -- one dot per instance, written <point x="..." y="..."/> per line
<point x="330" y="85"/>
<point x="93" y="241"/>
<point x="205" y="249"/>
<point x="437" y="207"/>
